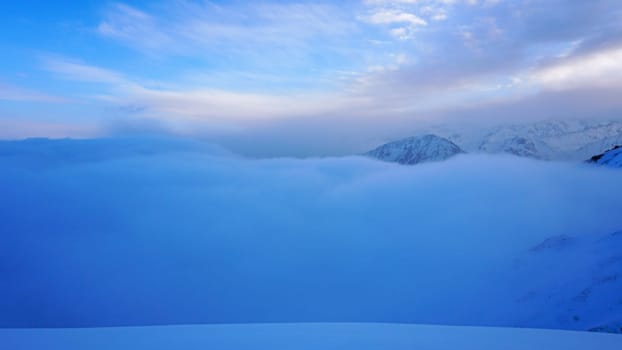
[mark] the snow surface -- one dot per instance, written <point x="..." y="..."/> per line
<point x="306" y="337"/>
<point x="178" y="237"/>
<point x="414" y="150"/>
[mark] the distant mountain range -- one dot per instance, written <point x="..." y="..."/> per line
<point x="574" y="141"/>
<point x="552" y="140"/>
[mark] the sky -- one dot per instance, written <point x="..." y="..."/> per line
<point x="280" y="70"/>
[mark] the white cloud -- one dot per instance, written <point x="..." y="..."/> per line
<point x="395" y="16"/>
<point x="408" y="14"/>
<point x="407" y="22"/>
<point x="601" y="68"/>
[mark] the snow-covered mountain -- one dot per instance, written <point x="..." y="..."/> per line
<point x="555" y="140"/>
<point x="612" y="158"/>
<point x="416" y="149"/>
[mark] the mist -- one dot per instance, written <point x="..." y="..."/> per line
<point x="193" y="234"/>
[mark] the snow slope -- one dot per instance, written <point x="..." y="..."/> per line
<point x="345" y="336"/>
<point x="417" y="149"/>
<point x="611" y="158"/>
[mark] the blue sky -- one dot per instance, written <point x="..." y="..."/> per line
<point x="91" y="68"/>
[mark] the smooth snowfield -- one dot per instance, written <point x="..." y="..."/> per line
<point x="307" y="337"/>
<point x="192" y="237"/>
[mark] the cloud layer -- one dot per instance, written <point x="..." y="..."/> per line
<point x="102" y="233"/>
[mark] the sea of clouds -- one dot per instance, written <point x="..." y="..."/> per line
<point x="117" y="232"/>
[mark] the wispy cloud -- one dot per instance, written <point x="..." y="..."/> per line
<point x="129" y="24"/>
<point x="78" y="71"/>
<point x="206" y="105"/>
<point x="10" y="92"/>
<point x="178" y="103"/>
<point x="203" y="29"/>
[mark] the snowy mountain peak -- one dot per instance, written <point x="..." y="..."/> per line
<point x="416" y="149"/>
<point x="612" y="158"/>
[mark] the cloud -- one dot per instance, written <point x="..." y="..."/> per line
<point x="296" y="123"/>
<point x="78" y="71"/>
<point x="129" y="24"/>
<point x="392" y="16"/>
<point x="241" y="67"/>
<point x="207" y="104"/>
<point x="185" y="28"/>
<point x="601" y="68"/>
<point x="496" y="42"/>
<point x="131" y="232"/>
<point x="11" y="92"/>
<point x="179" y="104"/>
<point x="480" y="55"/>
<point x="415" y="13"/>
